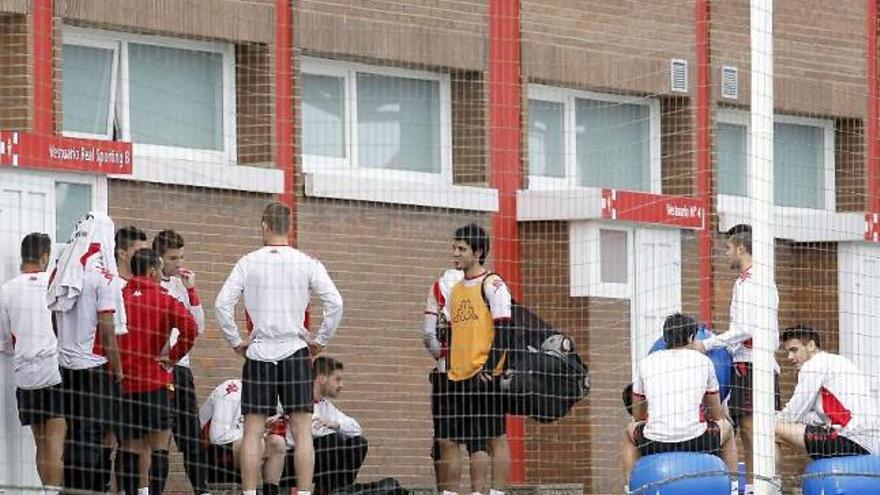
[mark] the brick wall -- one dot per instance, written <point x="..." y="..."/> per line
<point x="15" y="61"/>
<point x="384" y="260"/>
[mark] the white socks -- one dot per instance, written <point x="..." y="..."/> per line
<point x="144" y="490"/>
<point x="495" y="492"/>
<point x="447" y="492"/>
<point x="303" y="492"/>
<point x="249" y="492"/>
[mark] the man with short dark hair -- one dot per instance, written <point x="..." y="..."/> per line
<point x="26" y="333"/>
<point x="744" y="308"/>
<point x="674" y="387"/>
<point x="146" y="415"/>
<point x="129" y="240"/>
<point x="831" y="412"/>
<point x="278" y="282"/>
<point x="471" y="410"/>
<point x="180" y="283"/>
<point x="340" y="447"/>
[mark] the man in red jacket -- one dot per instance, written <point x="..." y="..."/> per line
<point x="146" y="390"/>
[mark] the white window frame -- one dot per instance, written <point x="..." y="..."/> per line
<point x="94" y="37"/>
<point x="568" y="98"/>
<point x="740" y="117"/>
<point x="77" y="39"/>
<point x="349" y="164"/>
<point x="586" y="261"/>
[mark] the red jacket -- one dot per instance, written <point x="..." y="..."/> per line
<point x="151" y="313"/>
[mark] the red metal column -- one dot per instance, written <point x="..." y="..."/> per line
<point x="284" y="151"/>
<point x="873" y="159"/>
<point x="704" y="156"/>
<point x="505" y="134"/>
<point x="43" y="85"/>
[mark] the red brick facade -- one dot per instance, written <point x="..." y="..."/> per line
<point x="385" y="256"/>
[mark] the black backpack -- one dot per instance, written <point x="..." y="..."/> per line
<point x="545" y="377"/>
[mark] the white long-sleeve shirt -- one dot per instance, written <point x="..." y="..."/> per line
<point x="277" y="282"/>
<point x="832" y="391"/>
<point x="435" y="305"/>
<point x="221" y="413"/>
<point x="744" y="310"/>
<point x="175" y="287"/>
<point x="326" y="410"/>
<point x="26" y="331"/>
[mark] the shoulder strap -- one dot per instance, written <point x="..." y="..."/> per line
<point x="483" y="286"/>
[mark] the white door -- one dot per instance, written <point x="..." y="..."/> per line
<point x="656" y="291"/>
<point x="33" y="201"/>
<point x="859" y="283"/>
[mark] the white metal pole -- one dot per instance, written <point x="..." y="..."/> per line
<point x="763" y="251"/>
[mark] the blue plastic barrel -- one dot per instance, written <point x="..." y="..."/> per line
<point x="850" y="475"/>
<point x="680" y="473"/>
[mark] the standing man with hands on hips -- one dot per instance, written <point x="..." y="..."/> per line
<point x="277" y="282"/>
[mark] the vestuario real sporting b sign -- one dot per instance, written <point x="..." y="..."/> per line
<point x="19" y="149"/>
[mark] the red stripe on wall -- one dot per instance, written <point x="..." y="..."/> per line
<point x="44" y="87"/>
<point x="505" y="131"/>
<point x="284" y="151"/>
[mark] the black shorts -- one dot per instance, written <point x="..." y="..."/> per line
<point x="708" y="443"/>
<point x="141" y="413"/>
<point x="38" y="405"/>
<point x="740" y="402"/>
<point x="221" y="464"/>
<point x="90" y="395"/>
<point x="265" y="383"/>
<point x="824" y="441"/>
<point x="470" y="412"/>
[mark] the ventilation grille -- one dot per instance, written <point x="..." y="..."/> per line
<point x="679" y="71"/>
<point x="730" y="82"/>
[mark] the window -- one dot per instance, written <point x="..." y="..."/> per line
<point x="803" y="156"/>
<point x="601" y="261"/>
<point x="358" y="117"/>
<point x="72" y="201"/>
<point x="580" y="139"/>
<point x="172" y="97"/>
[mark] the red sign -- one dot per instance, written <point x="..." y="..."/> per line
<point x="872" y="227"/>
<point x="679" y="211"/>
<point x="18" y="149"/>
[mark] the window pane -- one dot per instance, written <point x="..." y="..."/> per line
<point x="732" y="147"/>
<point x="612" y="256"/>
<point x="323" y="114"/>
<point x="176" y="96"/>
<point x="85" y="99"/>
<point x="72" y="201"/>
<point x="398" y="123"/>
<point x="546" y="139"/>
<point x="799" y="162"/>
<point x="613" y="145"/>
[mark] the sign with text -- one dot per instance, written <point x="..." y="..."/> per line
<point x="19" y="149"/>
<point x="629" y="206"/>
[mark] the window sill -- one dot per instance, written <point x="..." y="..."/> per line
<point x="201" y="174"/>
<point x="796" y="224"/>
<point x="583" y="203"/>
<point x="368" y="187"/>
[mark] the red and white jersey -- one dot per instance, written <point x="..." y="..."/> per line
<point x="434" y="306"/>
<point x="277" y="282"/>
<point x="745" y="306"/>
<point x="496" y="291"/>
<point x="79" y="346"/>
<point x="220" y="416"/>
<point x="189" y="299"/>
<point x="832" y="391"/>
<point x="26" y="331"/>
<point x="674" y="383"/>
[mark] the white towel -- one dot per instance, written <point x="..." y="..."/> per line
<point x="92" y="241"/>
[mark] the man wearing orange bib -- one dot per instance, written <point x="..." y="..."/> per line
<point x="471" y="411"/>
